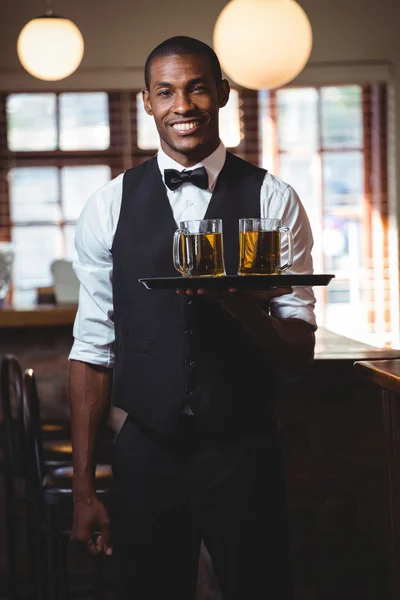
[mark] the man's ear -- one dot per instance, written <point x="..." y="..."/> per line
<point x="223" y="93"/>
<point x="146" y="101"/>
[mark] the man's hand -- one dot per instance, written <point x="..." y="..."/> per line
<point x="90" y="520"/>
<point x="288" y="342"/>
<point x="236" y="300"/>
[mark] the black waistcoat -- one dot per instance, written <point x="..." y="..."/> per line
<point x="171" y="351"/>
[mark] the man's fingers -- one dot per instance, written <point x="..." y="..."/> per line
<point x="93" y="531"/>
<point x="104" y="539"/>
<point x="274" y="292"/>
<point x="223" y="295"/>
<point x="93" y="547"/>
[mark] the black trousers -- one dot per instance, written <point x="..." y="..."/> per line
<point x="228" y="492"/>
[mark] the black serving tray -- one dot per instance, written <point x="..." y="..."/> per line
<point x="241" y="282"/>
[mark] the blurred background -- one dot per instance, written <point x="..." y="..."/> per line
<point x="332" y="134"/>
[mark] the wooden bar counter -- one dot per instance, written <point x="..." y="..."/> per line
<point x="386" y="376"/>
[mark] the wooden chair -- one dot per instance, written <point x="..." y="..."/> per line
<point x="50" y="504"/>
<point x="13" y="449"/>
<point x="10" y="384"/>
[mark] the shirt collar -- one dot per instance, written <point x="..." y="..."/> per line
<point x="213" y="164"/>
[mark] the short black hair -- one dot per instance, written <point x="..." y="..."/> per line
<point x="179" y="46"/>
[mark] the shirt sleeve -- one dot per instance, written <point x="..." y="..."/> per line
<point x="94" y="335"/>
<point x="279" y="200"/>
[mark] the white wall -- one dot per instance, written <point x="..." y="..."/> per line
<point x="120" y="33"/>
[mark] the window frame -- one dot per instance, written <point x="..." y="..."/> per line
<point x="374" y="101"/>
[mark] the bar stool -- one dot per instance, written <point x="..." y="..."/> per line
<point x="12" y="442"/>
<point x="50" y="504"/>
<point x="57" y="452"/>
<point x="11" y="377"/>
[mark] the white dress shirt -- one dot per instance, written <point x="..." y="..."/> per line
<point x="94" y="326"/>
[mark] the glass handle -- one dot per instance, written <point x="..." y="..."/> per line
<point x="290" y="248"/>
<point x="181" y="260"/>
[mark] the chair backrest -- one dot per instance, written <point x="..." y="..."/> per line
<point x="65" y="282"/>
<point x="33" y="436"/>
<point x="11" y="394"/>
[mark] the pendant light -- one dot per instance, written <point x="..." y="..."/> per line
<point x="50" y="47"/>
<point x="262" y="44"/>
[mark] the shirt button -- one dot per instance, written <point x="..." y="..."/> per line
<point x="189" y="363"/>
<point x="188" y="331"/>
<point x="189" y="391"/>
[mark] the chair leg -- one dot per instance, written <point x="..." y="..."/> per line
<point x="41" y="559"/>
<point x="53" y="553"/>
<point x="35" y="546"/>
<point x="63" y="580"/>
<point x="11" y="533"/>
<point x="98" y="583"/>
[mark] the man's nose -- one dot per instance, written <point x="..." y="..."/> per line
<point x="183" y="103"/>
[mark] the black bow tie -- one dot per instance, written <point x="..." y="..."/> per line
<point x="174" y="178"/>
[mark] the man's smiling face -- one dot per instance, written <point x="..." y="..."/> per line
<point x="184" y="100"/>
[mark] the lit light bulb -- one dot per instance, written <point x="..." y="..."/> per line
<point x="262" y="44"/>
<point x="50" y="47"/>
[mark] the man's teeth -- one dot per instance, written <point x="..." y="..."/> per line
<point x="185" y="126"/>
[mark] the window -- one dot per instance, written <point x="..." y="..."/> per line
<point x="321" y="141"/>
<point x="45" y="204"/>
<point x="56" y="141"/>
<point x="39" y="122"/>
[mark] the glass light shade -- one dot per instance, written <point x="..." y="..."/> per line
<point x="262" y="44"/>
<point x="50" y="48"/>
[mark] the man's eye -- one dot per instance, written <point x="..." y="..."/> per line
<point x="163" y="93"/>
<point x="199" y="88"/>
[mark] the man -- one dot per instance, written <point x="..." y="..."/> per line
<point x="198" y="455"/>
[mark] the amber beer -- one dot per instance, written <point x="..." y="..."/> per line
<point x="260" y="243"/>
<point x="204" y="253"/>
<point x="260" y="252"/>
<point x="198" y="248"/>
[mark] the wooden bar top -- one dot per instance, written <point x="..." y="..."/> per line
<point x="333" y="346"/>
<point x="37" y="316"/>
<point x="384" y="373"/>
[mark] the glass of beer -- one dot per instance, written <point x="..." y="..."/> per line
<point x="260" y="244"/>
<point x="198" y="249"/>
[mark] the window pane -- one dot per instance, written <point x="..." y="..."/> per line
<point x="342" y="125"/>
<point x="69" y="242"/>
<point x="147" y="134"/>
<point x="78" y="183"/>
<point x="84" y="121"/>
<point x="31" y="122"/>
<point x="229" y="123"/>
<point x="297" y="119"/>
<point x="34" y="194"/>
<point x="35" y="249"/>
<point x="343" y="177"/>
<point x="342" y="244"/>
<point x="301" y="172"/>
<point x="266" y="127"/>
<point x="344" y="255"/>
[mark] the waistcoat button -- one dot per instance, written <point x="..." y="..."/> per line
<point x="189" y="363"/>
<point x="188" y="391"/>
<point x="189" y="331"/>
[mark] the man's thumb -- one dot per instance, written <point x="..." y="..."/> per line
<point x="105" y="540"/>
